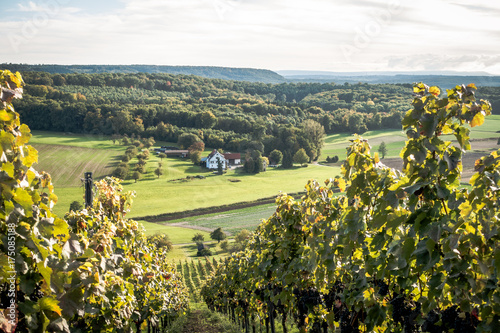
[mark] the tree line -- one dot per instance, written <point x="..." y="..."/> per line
<point x="232" y="115"/>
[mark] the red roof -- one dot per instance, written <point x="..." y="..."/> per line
<point x="232" y="156"/>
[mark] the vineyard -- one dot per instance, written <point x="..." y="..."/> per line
<point x="398" y="251"/>
<point x="92" y="270"/>
<point x="194" y="274"/>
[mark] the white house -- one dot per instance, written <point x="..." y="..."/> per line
<point x="212" y="163"/>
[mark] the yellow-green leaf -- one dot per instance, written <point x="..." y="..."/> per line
<point x="44" y="271"/>
<point x="478" y="120"/>
<point x="5" y="115"/>
<point x="23" y="198"/>
<point x="435" y="91"/>
<point x="50" y="304"/>
<point x="25" y="135"/>
<point x="8" y="168"/>
<point x="465" y="209"/>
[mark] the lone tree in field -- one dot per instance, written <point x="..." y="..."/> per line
<point x="218" y="235"/>
<point x="301" y="157"/>
<point x="120" y="172"/>
<point x="162" y="156"/>
<point x="75" y="206"/>
<point x="382" y="149"/>
<point x="136" y="175"/>
<point x="158" y="171"/>
<point x="198" y="238"/>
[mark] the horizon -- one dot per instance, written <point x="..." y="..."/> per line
<point x="358" y="36"/>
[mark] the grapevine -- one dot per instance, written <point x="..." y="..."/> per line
<point x="92" y="270"/>
<point x="397" y="251"/>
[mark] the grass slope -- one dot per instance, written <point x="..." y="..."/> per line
<point x="336" y="144"/>
<point x="67" y="164"/>
<point x="161" y="196"/>
<point x="232" y="221"/>
<point x="177" y="235"/>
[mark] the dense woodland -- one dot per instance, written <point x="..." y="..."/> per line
<point x="226" y="73"/>
<point x="232" y="115"/>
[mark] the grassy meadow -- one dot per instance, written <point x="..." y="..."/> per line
<point x="66" y="157"/>
<point x="395" y="139"/>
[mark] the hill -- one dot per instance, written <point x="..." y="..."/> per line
<point x="446" y="80"/>
<point x="225" y="73"/>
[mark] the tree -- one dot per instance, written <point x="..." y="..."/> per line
<point x="75" y="206"/>
<point x="301" y="157"/>
<point x="162" y="156"/>
<point x="197" y="146"/>
<point x="207" y="119"/>
<point x="115" y="138"/>
<point x="242" y="236"/>
<point x="161" y="241"/>
<point x="198" y="238"/>
<point x="159" y="172"/>
<point x="120" y="172"/>
<point x="224" y="245"/>
<point x="140" y="168"/>
<point x="275" y="157"/>
<point x="382" y="149"/>
<point x="136" y="175"/>
<point x="220" y="166"/>
<point x="185" y="140"/>
<point x="314" y="133"/>
<point x="218" y="235"/>
<point x="287" y="160"/>
<point x="195" y="157"/>
<point x="249" y="165"/>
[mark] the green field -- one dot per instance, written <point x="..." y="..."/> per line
<point x="232" y="221"/>
<point x="177" y="235"/>
<point x="67" y="164"/>
<point x="156" y="196"/>
<point x="395" y="139"/>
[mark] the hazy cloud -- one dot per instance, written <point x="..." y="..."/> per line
<point x="276" y="34"/>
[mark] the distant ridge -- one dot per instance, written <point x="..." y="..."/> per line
<point x="378" y="73"/>
<point x="443" y="79"/>
<point x="225" y="73"/>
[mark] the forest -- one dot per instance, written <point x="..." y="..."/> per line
<point x="232" y="115"/>
<point x="226" y="73"/>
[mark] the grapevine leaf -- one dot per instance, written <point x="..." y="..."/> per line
<point x="428" y="125"/>
<point x="478" y="120"/>
<point x="50" y="304"/>
<point x="435" y="91"/>
<point x="23" y="198"/>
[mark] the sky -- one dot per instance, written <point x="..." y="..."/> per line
<point x="323" y="35"/>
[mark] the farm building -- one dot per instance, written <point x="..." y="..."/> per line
<point x="172" y="152"/>
<point x="227" y="160"/>
<point x="233" y="158"/>
<point x="211" y="160"/>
